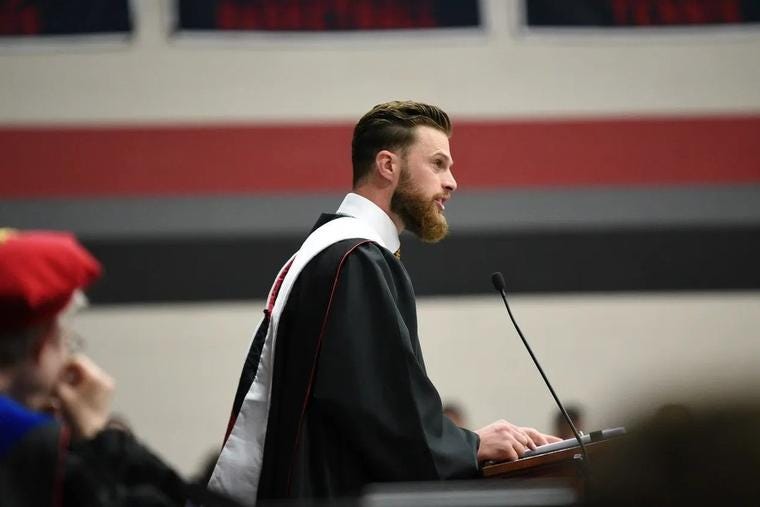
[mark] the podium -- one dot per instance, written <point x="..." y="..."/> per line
<point x="564" y="465"/>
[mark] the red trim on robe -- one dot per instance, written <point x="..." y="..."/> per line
<point x="316" y="357"/>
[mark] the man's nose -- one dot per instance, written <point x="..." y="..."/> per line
<point x="449" y="183"/>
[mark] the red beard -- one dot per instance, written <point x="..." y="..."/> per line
<point x="420" y="214"/>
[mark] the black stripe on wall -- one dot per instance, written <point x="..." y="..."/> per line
<point x="214" y="268"/>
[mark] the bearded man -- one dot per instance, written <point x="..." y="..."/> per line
<point x="334" y="394"/>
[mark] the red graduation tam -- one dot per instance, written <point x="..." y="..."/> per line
<point x="39" y="272"/>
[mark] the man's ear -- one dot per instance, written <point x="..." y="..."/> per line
<point x="388" y="166"/>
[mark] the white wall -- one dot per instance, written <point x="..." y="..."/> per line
<point x="177" y="366"/>
<point x="497" y="73"/>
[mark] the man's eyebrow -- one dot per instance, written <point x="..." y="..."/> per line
<point x="441" y="154"/>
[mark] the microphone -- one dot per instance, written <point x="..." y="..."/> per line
<point x="498" y="282"/>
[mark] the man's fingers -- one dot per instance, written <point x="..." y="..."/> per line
<point x="527" y="442"/>
<point x="518" y="443"/>
<point x="536" y="436"/>
<point x="538" y="440"/>
<point x="514" y="451"/>
<point x="503" y="440"/>
<point x="523" y="436"/>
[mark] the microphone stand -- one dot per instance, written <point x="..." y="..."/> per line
<point x="498" y="283"/>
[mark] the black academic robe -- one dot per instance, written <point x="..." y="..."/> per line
<point x="351" y="402"/>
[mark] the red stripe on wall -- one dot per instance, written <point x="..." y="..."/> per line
<point x="195" y="160"/>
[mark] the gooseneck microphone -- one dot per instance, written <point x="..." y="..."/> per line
<point x="498" y="282"/>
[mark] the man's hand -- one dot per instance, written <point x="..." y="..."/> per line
<point x="503" y="441"/>
<point x="84" y="392"/>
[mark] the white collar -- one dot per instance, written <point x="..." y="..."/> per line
<point x="362" y="208"/>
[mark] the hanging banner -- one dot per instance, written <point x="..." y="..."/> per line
<point x="639" y="13"/>
<point x="325" y="15"/>
<point x="33" y="18"/>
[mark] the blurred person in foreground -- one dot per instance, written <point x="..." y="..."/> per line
<point x="690" y="457"/>
<point x="562" y="429"/>
<point x="345" y="400"/>
<point x="455" y="412"/>
<point x="55" y="445"/>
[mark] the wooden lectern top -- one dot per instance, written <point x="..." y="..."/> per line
<point x="556" y="464"/>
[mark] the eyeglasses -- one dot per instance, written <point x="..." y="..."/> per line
<point x="74" y="341"/>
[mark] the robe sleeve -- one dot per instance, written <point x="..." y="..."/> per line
<point x="372" y="385"/>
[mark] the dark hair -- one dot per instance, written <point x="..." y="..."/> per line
<point x="574" y="411"/>
<point x="453" y="408"/>
<point x="390" y="126"/>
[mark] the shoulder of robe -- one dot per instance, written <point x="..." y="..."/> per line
<point x="371" y="256"/>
